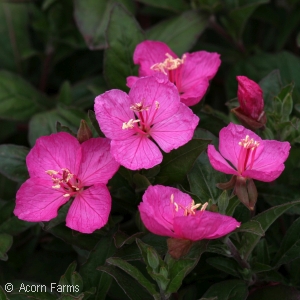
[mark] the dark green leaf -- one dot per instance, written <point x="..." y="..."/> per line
<point x="6" y="241"/>
<point x="95" y="123"/>
<point x="266" y="218"/>
<point x="226" y="265"/>
<point x="2" y="294"/>
<point x="290" y="246"/>
<point x="178" y="270"/>
<point x="181" y="32"/>
<point x="177" y="163"/>
<point x="93" y="278"/>
<point x="135" y="273"/>
<point x="271" y="86"/>
<point x="13" y="162"/>
<point x="18" y="99"/>
<point x="239" y="15"/>
<point x="233" y="203"/>
<point x="176" y="6"/>
<point x="92" y="17"/>
<point x="141" y="182"/>
<point x="15" y="38"/>
<point x="253" y="227"/>
<point x="123" y="34"/>
<point x="65" y="96"/>
<point x="211" y="123"/>
<point x="45" y="123"/>
<point x="228" y="290"/>
<point x="127" y="283"/>
<point x="203" y="179"/>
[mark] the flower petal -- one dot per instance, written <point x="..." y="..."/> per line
<point x="269" y="164"/>
<point x="37" y="201"/>
<point x="153" y="89"/>
<point x="136" y="152"/>
<point x="54" y="152"/>
<point x="97" y="164"/>
<point x="198" y="68"/>
<point x="175" y="131"/>
<point x="131" y="80"/>
<point x="218" y="162"/>
<point x="230" y="137"/>
<point x="90" y="209"/>
<point x="157" y="211"/>
<point x="148" y="53"/>
<point x="204" y="225"/>
<point x="112" y="110"/>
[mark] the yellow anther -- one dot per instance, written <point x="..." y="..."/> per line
<point x="176" y="206"/>
<point x="204" y="206"/>
<point x="248" y="143"/>
<point x="138" y="107"/>
<point x="66" y="195"/>
<point x="129" y="124"/>
<point x="51" y="172"/>
<point x="169" y="63"/>
<point x="172" y="198"/>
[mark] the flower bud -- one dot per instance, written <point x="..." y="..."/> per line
<point x="251" y="110"/>
<point x="250" y="97"/>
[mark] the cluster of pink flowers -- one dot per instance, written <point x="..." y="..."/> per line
<point x="153" y="116"/>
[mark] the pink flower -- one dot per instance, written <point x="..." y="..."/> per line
<point x="249" y="155"/>
<point x="190" y="74"/>
<point x="61" y="168"/>
<point x="169" y="212"/>
<point x="150" y="115"/>
<point x="250" y="97"/>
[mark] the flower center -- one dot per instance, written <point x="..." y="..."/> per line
<point x="247" y="154"/>
<point x="143" y="121"/>
<point x="171" y="67"/>
<point x="65" y="181"/>
<point x="189" y="210"/>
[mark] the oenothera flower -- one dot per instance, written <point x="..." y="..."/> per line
<point x="251" y="110"/>
<point x="150" y="115"/>
<point x="190" y="74"/>
<point x="169" y="212"/>
<point x="61" y="168"/>
<point x="249" y="155"/>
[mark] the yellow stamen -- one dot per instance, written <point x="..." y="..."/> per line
<point x="248" y="143"/>
<point x="129" y="124"/>
<point x="169" y="63"/>
<point x="138" y="107"/>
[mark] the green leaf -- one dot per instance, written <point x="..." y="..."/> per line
<point x="15" y="37"/>
<point x="92" y="278"/>
<point x="135" y="273"/>
<point x="127" y="283"/>
<point x="65" y="95"/>
<point x="223" y="202"/>
<point x="6" y="241"/>
<point x="290" y="246"/>
<point x="18" y="99"/>
<point x="262" y="252"/>
<point x="203" y="179"/>
<point x="176" y="6"/>
<point x="211" y="123"/>
<point x="271" y="86"/>
<point x="123" y="34"/>
<point x="45" y="123"/>
<point x="252" y="226"/>
<point x="266" y="218"/>
<point x="239" y="15"/>
<point x="227" y="290"/>
<point x="95" y="123"/>
<point x="75" y="238"/>
<point x="13" y="162"/>
<point x="178" y="270"/>
<point x="141" y="182"/>
<point x="181" y="32"/>
<point x="233" y="203"/>
<point x="226" y="265"/>
<point x="92" y="17"/>
<point x="2" y="294"/>
<point x="177" y="163"/>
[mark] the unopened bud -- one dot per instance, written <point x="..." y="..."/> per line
<point x="178" y="247"/>
<point x="84" y="132"/>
